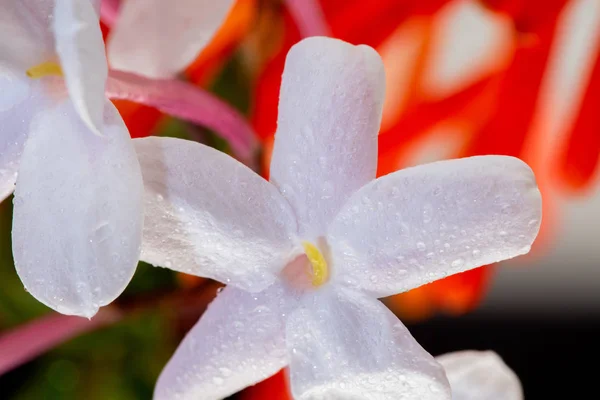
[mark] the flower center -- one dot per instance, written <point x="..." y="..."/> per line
<point x="44" y="69"/>
<point x="320" y="270"/>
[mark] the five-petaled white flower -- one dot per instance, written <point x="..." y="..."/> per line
<point x="306" y="255"/>
<point x="158" y="38"/>
<point x="480" y="375"/>
<point x="78" y="201"/>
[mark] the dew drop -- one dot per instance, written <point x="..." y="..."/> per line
<point x="262" y="309"/>
<point x="457" y="263"/>
<point x="427" y="211"/>
<point x="323" y="161"/>
<point x="218" y="380"/>
<point x="434" y="388"/>
<point x="327" y="190"/>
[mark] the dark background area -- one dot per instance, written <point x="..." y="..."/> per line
<point x="555" y="357"/>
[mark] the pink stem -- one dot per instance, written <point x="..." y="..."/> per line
<point x="185" y="101"/>
<point x="109" y="11"/>
<point x="309" y="17"/>
<point x="32" y="339"/>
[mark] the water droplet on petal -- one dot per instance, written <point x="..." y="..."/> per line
<point x="427" y="211"/>
<point x="526" y="249"/>
<point x="457" y="263"/>
<point x="217" y="380"/>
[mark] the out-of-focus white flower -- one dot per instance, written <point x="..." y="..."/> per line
<point x="480" y="375"/>
<point x="306" y="255"/>
<point x="158" y="38"/>
<point x="78" y="198"/>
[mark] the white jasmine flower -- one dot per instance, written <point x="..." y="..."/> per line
<point x="306" y="255"/>
<point x="78" y="198"/>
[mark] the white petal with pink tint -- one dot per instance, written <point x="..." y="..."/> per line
<point x="77" y="211"/>
<point x="23" y="100"/>
<point x="480" y="375"/>
<point x="80" y="47"/>
<point x="239" y="341"/>
<point x="96" y="4"/>
<point x="209" y="215"/>
<point x="329" y="114"/>
<point x="158" y="38"/>
<point x="25" y="35"/>
<point x="344" y="345"/>
<point x="423" y="223"/>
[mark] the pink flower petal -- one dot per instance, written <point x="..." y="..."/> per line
<point x="309" y="17"/>
<point x="34" y="338"/>
<point x="109" y="11"/>
<point x="185" y="101"/>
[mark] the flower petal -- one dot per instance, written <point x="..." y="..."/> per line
<point x="25" y="32"/>
<point x="80" y="48"/>
<point x="186" y="101"/>
<point x="209" y="215"/>
<point x="329" y="113"/>
<point x="238" y="342"/>
<point x="22" y="100"/>
<point x="158" y="39"/>
<point x="421" y="224"/>
<point x="96" y="4"/>
<point x="344" y="345"/>
<point x="78" y="211"/>
<point x="480" y="375"/>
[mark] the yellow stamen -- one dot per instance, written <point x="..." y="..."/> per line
<point x="320" y="271"/>
<point x="44" y="69"/>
